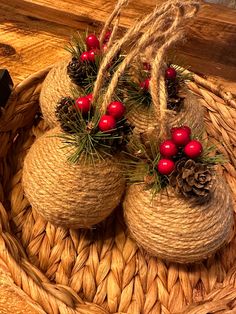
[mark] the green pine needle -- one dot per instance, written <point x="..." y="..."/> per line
<point x="210" y="156"/>
<point x="88" y="142"/>
<point x="141" y="164"/>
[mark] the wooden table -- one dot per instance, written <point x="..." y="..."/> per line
<point x="33" y="34"/>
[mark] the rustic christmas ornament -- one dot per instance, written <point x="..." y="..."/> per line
<point x="191" y="113"/>
<point x="175" y="228"/>
<point x="70" y="195"/>
<point x="56" y="85"/>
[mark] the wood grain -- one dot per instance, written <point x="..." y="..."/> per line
<point x="33" y="34"/>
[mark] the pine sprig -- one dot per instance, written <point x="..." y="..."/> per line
<point x="137" y="96"/>
<point x="83" y="135"/>
<point x="211" y="157"/>
<point x="84" y="73"/>
<point x="141" y="165"/>
<point x="182" y="75"/>
<point x="77" y="45"/>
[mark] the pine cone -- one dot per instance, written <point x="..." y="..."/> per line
<point x="174" y="101"/>
<point x="79" y="72"/>
<point x="192" y="179"/>
<point x="65" y="113"/>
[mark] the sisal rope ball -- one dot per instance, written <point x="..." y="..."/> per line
<point x="56" y="85"/>
<point x="174" y="228"/>
<point x="70" y="195"/>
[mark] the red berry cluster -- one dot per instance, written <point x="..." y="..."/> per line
<point x="115" y="111"/>
<point x="180" y="142"/>
<point x="93" y="46"/>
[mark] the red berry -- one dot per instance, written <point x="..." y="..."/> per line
<point x="187" y="128"/>
<point x="91" y="55"/>
<point x="180" y="136"/>
<point x="147" y="66"/>
<point x="193" y="149"/>
<point x="116" y="109"/>
<point x="170" y="73"/>
<point x="107" y="123"/>
<point x="165" y="166"/>
<point x="84" y="56"/>
<point x="107" y="36"/>
<point x="145" y="84"/>
<point x="168" y="149"/>
<point x="90" y="97"/>
<point x="92" y="42"/>
<point x="82" y="104"/>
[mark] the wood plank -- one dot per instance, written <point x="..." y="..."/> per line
<point x="41" y="27"/>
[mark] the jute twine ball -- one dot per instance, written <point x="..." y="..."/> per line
<point x="70" y="195"/>
<point x="173" y="228"/>
<point x="191" y="113"/>
<point x="56" y="85"/>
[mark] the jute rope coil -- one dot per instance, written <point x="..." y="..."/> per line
<point x="56" y="85"/>
<point x="173" y="227"/>
<point x="70" y="195"/>
<point x="53" y="266"/>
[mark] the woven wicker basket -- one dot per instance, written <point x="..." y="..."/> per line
<point x="48" y="269"/>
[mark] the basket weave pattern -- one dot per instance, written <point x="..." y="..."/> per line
<point x="102" y="270"/>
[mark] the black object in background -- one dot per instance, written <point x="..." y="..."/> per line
<point x="6" y="85"/>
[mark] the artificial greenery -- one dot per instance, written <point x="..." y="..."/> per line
<point x="141" y="164"/>
<point x="82" y="133"/>
<point x="142" y="158"/>
<point x="84" y="73"/>
<point x="141" y="97"/>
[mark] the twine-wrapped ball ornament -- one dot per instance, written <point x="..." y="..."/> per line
<point x="191" y="113"/>
<point x="70" y="195"/>
<point x="56" y="85"/>
<point x="175" y="228"/>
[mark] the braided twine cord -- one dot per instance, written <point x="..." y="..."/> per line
<point x="102" y="271"/>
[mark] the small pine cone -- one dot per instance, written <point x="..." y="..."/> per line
<point x="172" y="88"/>
<point x="192" y="179"/>
<point x="65" y="113"/>
<point x="175" y="103"/>
<point x="77" y="71"/>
